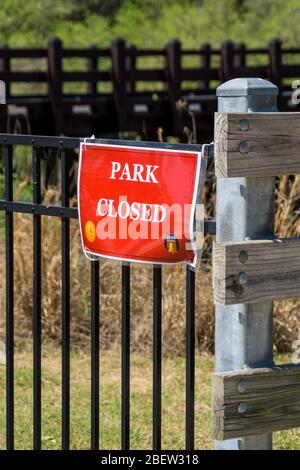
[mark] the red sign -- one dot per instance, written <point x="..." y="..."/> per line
<point x="138" y="203"/>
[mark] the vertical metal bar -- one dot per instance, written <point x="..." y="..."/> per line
<point x="36" y="179"/>
<point x="125" y="424"/>
<point x="130" y="62"/>
<point x="245" y="208"/>
<point x="190" y="359"/>
<point x="9" y="255"/>
<point x="157" y="348"/>
<point x="95" y="355"/>
<point x="65" y="233"/>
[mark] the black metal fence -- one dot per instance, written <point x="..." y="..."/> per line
<point x="65" y="147"/>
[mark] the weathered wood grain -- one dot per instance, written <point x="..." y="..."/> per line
<point x="273" y="141"/>
<point x="270" y="398"/>
<point x="271" y="271"/>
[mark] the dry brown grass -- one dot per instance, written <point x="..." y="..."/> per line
<point x="287" y="224"/>
<point x="286" y="313"/>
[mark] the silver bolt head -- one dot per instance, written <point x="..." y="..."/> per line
<point x="243" y="278"/>
<point x="242" y="408"/>
<point x="244" y="147"/>
<point x="243" y="256"/>
<point x="242" y="385"/>
<point x="244" y="124"/>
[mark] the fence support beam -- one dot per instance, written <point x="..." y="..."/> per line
<point x="245" y="210"/>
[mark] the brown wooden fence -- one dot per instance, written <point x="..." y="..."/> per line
<point x="72" y="91"/>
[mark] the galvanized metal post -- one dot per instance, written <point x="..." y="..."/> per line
<point x="245" y="209"/>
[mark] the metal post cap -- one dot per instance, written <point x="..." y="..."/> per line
<point x="246" y="87"/>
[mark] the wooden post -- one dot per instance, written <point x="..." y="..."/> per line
<point x="227" y="56"/>
<point x="257" y="144"/>
<point x="205" y="56"/>
<point x="55" y="82"/>
<point x="92" y="67"/>
<point x="275" y="61"/>
<point x="118" y="54"/>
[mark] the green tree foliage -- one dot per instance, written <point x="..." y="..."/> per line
<point x="149" y="22"/>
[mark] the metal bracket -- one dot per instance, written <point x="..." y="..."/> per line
<point x="208" y="150"/>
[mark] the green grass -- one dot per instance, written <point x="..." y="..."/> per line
<point x="173" y="403"/>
